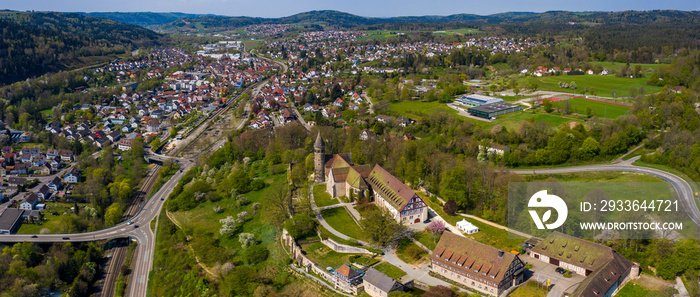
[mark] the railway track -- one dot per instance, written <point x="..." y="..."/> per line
<point x="108" y="284"/>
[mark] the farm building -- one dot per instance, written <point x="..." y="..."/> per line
<point x="494" y="109"/>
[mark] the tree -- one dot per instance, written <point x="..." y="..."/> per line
<point x="228" y="226"/>
<point x="589" y="148"/>
<point x="255" y="254"/>
<point x="300" y="225"/>
<point x="280" y="203"/>
<point x="381" y="228"/>
<point x="246" y="239"/>
<point x="113" y="214"/>
<point x="547" y="104"/>
<point x="450" y="207"/>
<point x="436" y="227"/>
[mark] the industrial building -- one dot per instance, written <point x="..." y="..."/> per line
<point x="478" y="100"/>
<point x="492" y="110"/>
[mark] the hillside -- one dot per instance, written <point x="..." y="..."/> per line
<point x="143" y="19"/>
<point x="331" y="19"/>
<point x="34" y="43"/>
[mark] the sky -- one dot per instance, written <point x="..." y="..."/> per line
<point x="369" y="8"/>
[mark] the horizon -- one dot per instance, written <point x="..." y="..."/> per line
<point x="364" y="8"/>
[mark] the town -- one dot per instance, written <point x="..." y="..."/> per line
<point x="328" y="154"/>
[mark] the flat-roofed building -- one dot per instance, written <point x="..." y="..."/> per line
<point x="492" y="110"/>
<point x="10" y="220"/>
<point x="478" y="100"/>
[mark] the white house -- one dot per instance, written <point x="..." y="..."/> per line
<point x="467" y="227"/>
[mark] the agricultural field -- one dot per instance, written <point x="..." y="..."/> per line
<point x="603" y="85"/>
<point x="597" y="108"/>
<point x="646" y="68"/>
<point x="380" y="34"/>
<point x="462" y="31"/>
<point x="417" y="109"/>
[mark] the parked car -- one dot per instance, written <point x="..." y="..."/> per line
<point x="560" y="270"/>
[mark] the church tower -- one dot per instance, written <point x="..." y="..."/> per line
<point x="319" y="160"/>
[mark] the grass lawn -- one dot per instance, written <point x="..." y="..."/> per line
<point x="363" y="260"/>
<point x="365" y="209"/>
<point x="55" y="224"/>
<point x="487" y="234"/>
<point x="634" y="290"/>
<point x="417" y="109"/>
<point x="412" y="291"/>
<point x="390" y="270"/>
<point x="409" y="252"/>
<point x="341" y="221"/>
<point x="603" y="84"/>
<point x="599" y="109"/>
<point x="530" y="289"/>
<point x="324" y="256"/>
<point x="513" y="120"/>
<point x="425" y="237"/>
<point x="322" y="198"/>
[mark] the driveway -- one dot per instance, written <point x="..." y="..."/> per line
<point x="545" y="271"/>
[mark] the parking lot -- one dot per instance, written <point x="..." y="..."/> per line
<point x="545" y="271"/>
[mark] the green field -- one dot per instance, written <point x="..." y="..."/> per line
<point x="365" y="261"/>
<point x="599" y="109"/>
<point x="322" y="198"/>
<point x="390" y="270"/>
<point x="417" y="109"/>
<point x="634" y="290"/>
<point x="604" y="85"/>
<point x="341" y="221"/>
<point x="647" y="68"/>
<point x="380" y="34"/>
<point x="513" y="120"/>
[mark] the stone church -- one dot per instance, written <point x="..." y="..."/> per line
<point x="343" y="178"/>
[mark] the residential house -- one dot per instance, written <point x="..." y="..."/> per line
<point x="347" y="278"/>
<point x="366" y="134"/>
<point x="44" y="192"/>
<point x="55" y="185"/>
<point x="67" y="156"/>
<point x="51" y="153"/>
<point x="153" y="125"/>
<point x="29" y="202"/>
<point x="479" y="267"/>
<point x="26" y="137"/>
<point x="14" y="181"/>
<point x="72" y="176"/>
<point x="378" y="284"/>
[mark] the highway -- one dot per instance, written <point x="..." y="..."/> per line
<point x="684" y="190"/>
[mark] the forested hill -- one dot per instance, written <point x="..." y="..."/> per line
<point x="144" y="19"/>
<point x="331" y="19"/>
<point x="34" y="43"/>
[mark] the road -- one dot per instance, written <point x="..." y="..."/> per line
<point x="683" y="189"/>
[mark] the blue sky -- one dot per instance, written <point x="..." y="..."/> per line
<point x="372" y="8"/>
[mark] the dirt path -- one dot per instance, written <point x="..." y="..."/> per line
<point x="212" y="274"/>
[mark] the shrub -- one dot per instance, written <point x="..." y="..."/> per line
<point x="255" y="254"/>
